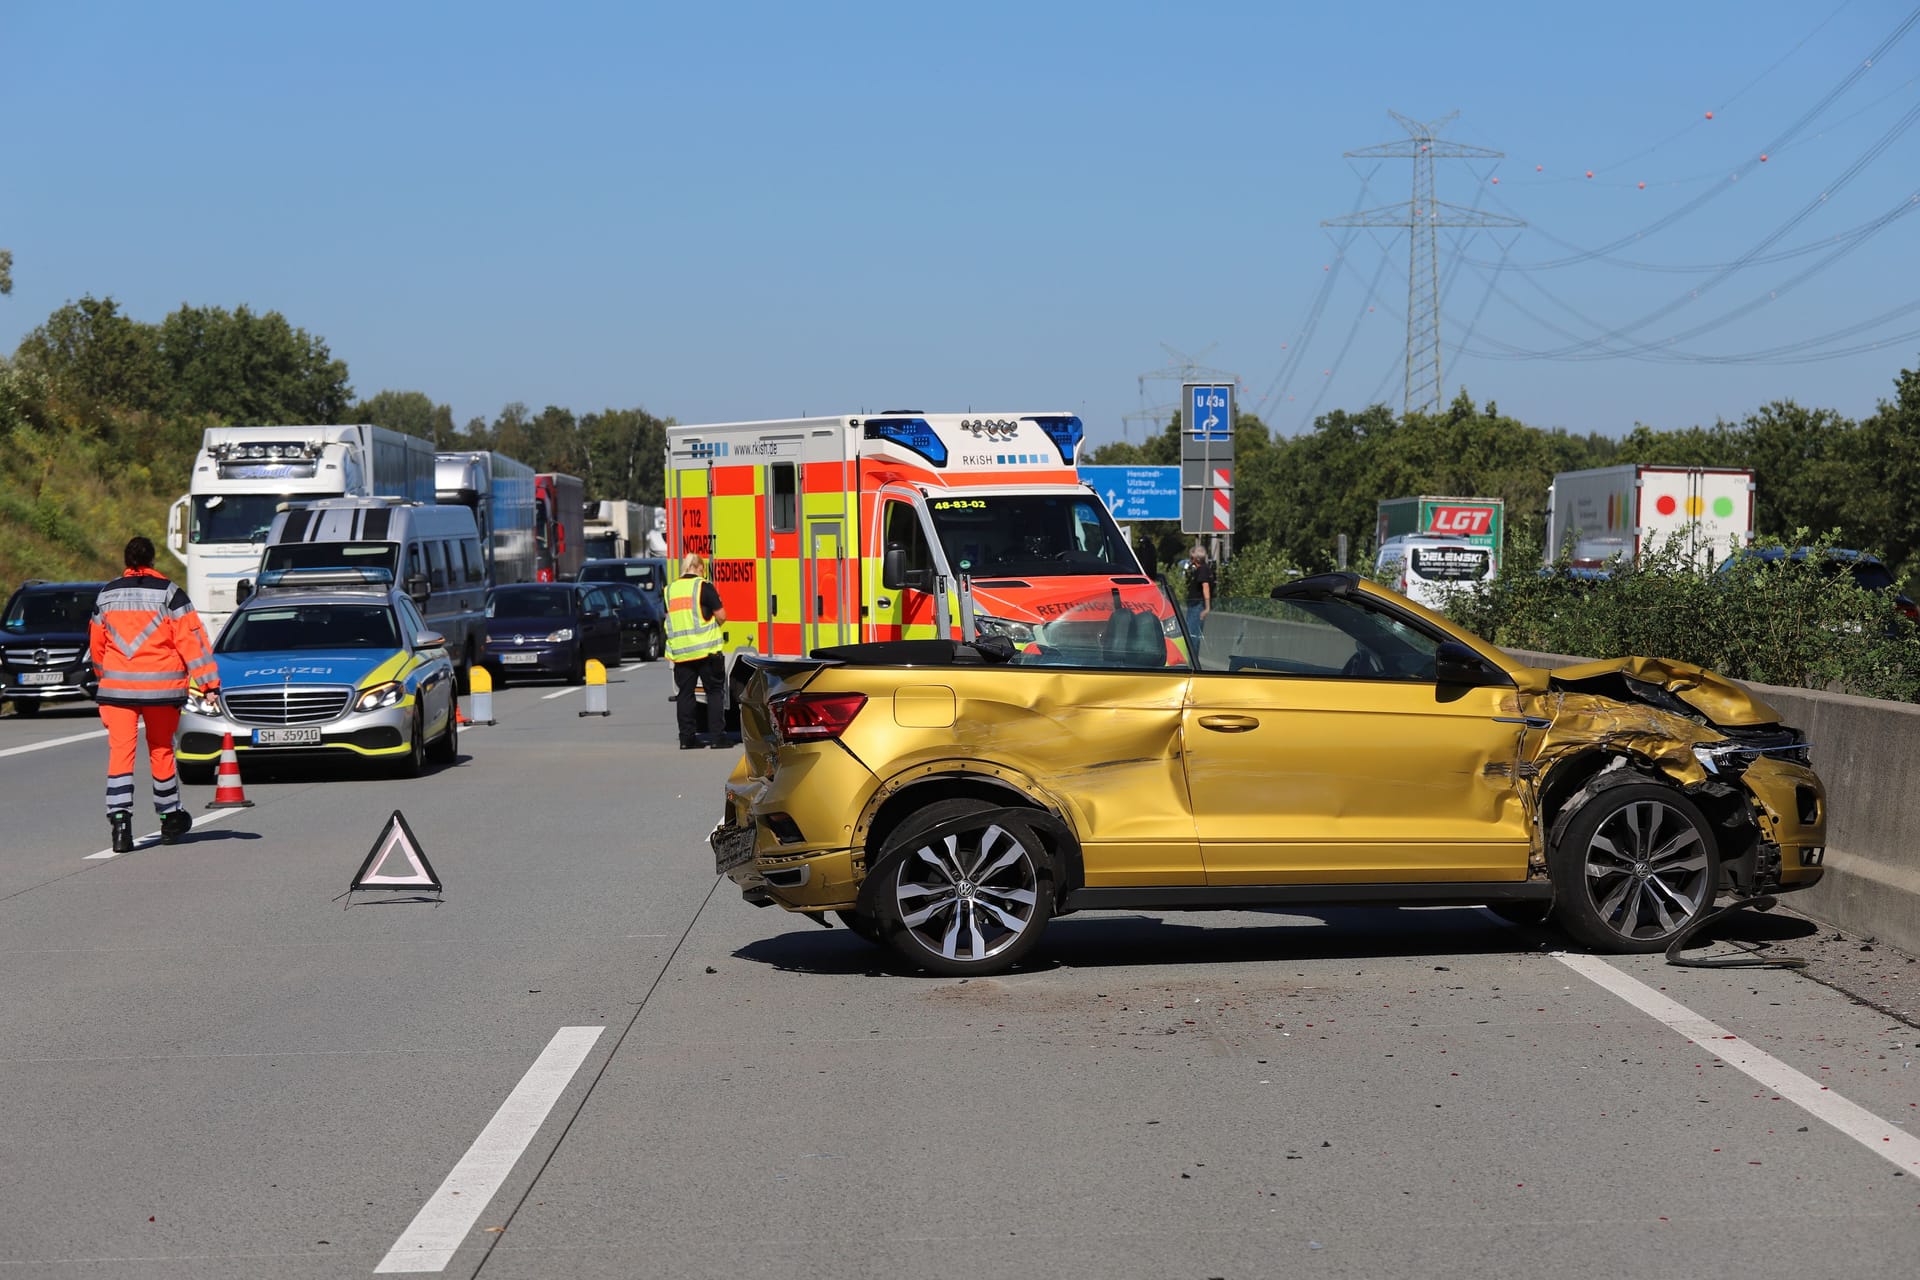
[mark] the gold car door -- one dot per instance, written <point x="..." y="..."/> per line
<point x="1320" y="747"/>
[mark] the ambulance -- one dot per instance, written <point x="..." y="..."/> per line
<point x="901" y="525"/>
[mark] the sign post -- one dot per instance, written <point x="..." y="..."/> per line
<point x="1206" y="459"/>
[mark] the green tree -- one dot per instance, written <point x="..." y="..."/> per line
<point x="6" y="272"/>
<point x="96" y="359"/>
<point x="244" y="367"/>
<point x="1890" y="448"/>
<point x="413" y="412"/>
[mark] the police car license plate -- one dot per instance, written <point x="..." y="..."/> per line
<point x="286" y="737"/>
<point x="40" y="677"/>
<point x="519" y="658"/>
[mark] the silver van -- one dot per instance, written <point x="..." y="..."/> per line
<point x="433" y="552"/>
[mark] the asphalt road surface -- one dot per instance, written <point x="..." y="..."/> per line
<point x="592" y="1059"/>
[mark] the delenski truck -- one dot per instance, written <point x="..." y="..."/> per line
<point x="499" y="490"/>
<point x="243" y="475"/>
<point x="899" y="526"/>
<point x="1625" y="511"/>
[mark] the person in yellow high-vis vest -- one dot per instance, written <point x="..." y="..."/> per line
<point x="694" y="644"/>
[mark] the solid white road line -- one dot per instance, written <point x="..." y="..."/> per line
<point x="1865" y="1128"/>
<point x="438" y="1230"/>
<point x="52" y="742"/>
<point x="153" y="837"/>
<point x="561" y="693"/>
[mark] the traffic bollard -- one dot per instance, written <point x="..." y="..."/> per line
<point x="480" y="688"/>
<point x="596" y="689"/>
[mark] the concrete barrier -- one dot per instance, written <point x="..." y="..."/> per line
<point x="1867" y="753"/>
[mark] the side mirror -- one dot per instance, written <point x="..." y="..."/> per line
<point x="893" y="568"/>
<point x="1455" y="664"/>
<point x="242" y="591"/>
<point x="429" y="640"/>
<point x="419" y="588"/>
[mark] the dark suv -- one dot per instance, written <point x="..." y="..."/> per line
<point x="43" y="644"/>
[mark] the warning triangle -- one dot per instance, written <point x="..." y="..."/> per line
<point x="396" y="860"/>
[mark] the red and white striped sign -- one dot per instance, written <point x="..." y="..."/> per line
<point x="1222" y="500"/>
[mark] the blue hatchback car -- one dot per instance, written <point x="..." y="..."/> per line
<point x="548" y="630"/>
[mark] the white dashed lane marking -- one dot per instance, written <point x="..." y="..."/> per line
<point x="1819" y="1101"/>
<point x="52" y="742"/>
<point x="440" y="1228"/>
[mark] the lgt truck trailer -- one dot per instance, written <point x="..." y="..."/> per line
<point x="499" y="491"/>
<point x="243" y="475"/>
<point x="1481" y="521"/>
<point x="1626" y="511"/>
<point x="900" y="525"/>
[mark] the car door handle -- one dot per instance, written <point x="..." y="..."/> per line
<point x="1229" y="724"/>
<point x="1532" y="722"/>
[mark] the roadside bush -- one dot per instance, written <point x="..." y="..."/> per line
<point x="1786" y="621"/>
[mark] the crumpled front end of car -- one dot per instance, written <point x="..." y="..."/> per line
<point x="1722" y="746"/>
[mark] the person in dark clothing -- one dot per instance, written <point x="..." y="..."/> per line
<point x="695" y="643"/>
<point x="1199" y="589"/>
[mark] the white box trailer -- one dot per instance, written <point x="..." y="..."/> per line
<point x="1625" y="511"/>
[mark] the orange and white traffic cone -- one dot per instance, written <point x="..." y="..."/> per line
<point x="227" y="792"/>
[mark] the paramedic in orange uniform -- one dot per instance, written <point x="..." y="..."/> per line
<point x="148" y="645"/>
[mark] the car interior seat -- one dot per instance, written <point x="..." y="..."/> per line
<point x="1133" y="640"/>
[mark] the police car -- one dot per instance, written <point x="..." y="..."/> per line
<point x="326" y="662"/>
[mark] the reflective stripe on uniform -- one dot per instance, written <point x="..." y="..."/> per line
<point x="690" y="636"/>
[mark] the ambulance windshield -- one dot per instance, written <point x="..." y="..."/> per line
<point x="1030" y="535"/>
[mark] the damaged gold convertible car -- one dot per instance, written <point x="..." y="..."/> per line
<point x="1337" y="744"/>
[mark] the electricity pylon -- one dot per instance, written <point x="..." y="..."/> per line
<point x="1180" y="368"/>
<point x="1423" y="216"/>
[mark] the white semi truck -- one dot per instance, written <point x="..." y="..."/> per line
<point x="1626" y="511"/>
<point x="243" y="475"/>
<point x="616" y="529"/>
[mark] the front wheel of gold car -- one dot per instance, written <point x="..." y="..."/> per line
<point x="966" y="890"/>
<point x="1635" y="866"/>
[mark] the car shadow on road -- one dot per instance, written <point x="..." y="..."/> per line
<point x="1093" y="942"/>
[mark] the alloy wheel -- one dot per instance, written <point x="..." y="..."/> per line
<point x="968" y="896"/>
<point x="1647" y="870"/>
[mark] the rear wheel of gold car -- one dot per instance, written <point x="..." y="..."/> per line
<point x="964" y="890"/>
<point x="1635" y="866"/>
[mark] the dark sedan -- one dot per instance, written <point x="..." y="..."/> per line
<point x="643" y="621"/>
<point x="549" y="630"/>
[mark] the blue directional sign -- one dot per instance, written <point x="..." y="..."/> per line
<point x="1209" y="411"/>
<point x="1137" y="493"/>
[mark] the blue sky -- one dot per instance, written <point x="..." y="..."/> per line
<point x="728" y="211"/>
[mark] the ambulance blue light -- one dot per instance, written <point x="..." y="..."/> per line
<point x="916" y="434"/>
<point x="1066" y="434"/>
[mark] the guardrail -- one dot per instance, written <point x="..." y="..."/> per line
<point x="1867" y="752"/>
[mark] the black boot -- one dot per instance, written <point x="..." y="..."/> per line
<point x="122" y="824"/>
<point x="174" y="825"/>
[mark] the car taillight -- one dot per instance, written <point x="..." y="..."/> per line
<point x="816" y="717"/>
<point x="1911" y="609"/>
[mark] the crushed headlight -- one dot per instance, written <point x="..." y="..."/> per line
<point x="1725" y="757"/>
<point x="204" y="704"/>
<point x="987" y="625"/>
<point x="561" y="636"/>
<point x="381" y="696"/>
